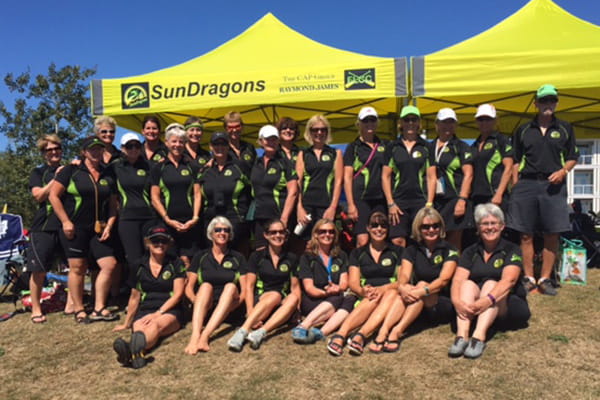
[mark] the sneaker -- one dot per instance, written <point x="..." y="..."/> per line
<point x="299" y="334"/>
<point x="237" y="340"/>
<point x="475" y="348"/>
<point x="547" y="287"/>
<point x="458" y="347"/>
<point x="316" y="334"/>
<point x="123" y="350"/>
<point x="528" y="283"/>
<point x="256" y="337"/>
<point x="137" y="348"/>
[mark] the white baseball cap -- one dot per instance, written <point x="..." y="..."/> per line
<point x="268" y="131"/>
<point x="367" y="112"/>
<point x="128" y="137"/>
<point x="446" y="113"/>
<point x="486" y="110"/>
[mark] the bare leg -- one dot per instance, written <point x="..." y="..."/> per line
<point x="469" y="292"/>
<point x="36" y="283"/>
<point x="334" y="321"/>
<point x="528" y="253"/>
<point x="397" y="308"/>
<point x="378" y="315"/>
<point x="549" y="254"/>
<point x="319" y="314"/>
<point x="487" y="318"/>
<point x="156" y="328"/>
<point x="283" y="313"/>
<point x="227" y="303"/>
<point x="103" y="281"/>
<point x="203" y="302"/>
<point x="268" y="301"/>
<point x="77" y="268"/>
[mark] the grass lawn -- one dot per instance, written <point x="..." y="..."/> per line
<point x="557" y="357"/>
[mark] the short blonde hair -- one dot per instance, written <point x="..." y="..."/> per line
<point x="42" y="142"/>
<point x="232" y="116"/>
<point x="104" y="120"/>
<point x="313" y="121"/>
<point x="427" y="212"/>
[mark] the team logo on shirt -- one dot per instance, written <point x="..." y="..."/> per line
<point x="227" y="172"/>
<point x="185" y="172"/>
<point x="386" y="262"/>
<point x="516" y="258"/>
<point x="103" y="182"/>
<point x="381" y="149"/>
<point x="467" y="156"/>
<point x="335" y="268"/>
<point x="166" y="275"/>
<point x="446" y="150"/>
<point x="555" y="135"/>
<point x="284" y="268"/>
<point x="202" y="161"/>
<point x="417" y="154"/>
<point x="498" y="263"/>
<point x="141" y="172"/>
<point x="247" y="157"/>
<point x="325" y="157"/>
<point x="452" y="253"/>
<point x="227" y="264"/>
<point x="271" y="171"/>
<point x="156" y="157"/>
<point x="438" y="259"/>
<point x="488" y="146"/>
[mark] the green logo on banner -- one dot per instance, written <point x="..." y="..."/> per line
<point x="135" y="95"/>
<point x="359" y="79"/>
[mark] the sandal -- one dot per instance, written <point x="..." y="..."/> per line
<point x="388" y="349"/>
<point x="100" y="316"/>
<point x="376" y="347"/>
<point x="356" y="348"/>
<point x="38" y="319"/>
<point x="334" y="347"/>
<point x="81" y="319"/>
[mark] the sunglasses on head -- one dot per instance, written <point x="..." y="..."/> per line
<point x="378" y="225"/>
<point x="426" y="227"/>
<point x="317" y="130"/>
<point x="133" y="145"/>
<point x="159" y="240"/>
<point x="105" y="131"/>
<point x="326" y="231"/>
<point x="276" y="231"/>
<point x="226" y="230"/>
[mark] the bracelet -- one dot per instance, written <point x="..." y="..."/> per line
<point x="429" y="204"/>
<point x="566" y="171"/>
<point x="427" y="292"/>
<point x="492" y="298"/>
<point x="391" y="205"/>
<point x="462" y="198"/>
<point x="161" y="311"/>
<point x="195" y="218"/>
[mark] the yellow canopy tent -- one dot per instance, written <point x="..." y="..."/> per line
<point x="541" y="43"/>
<point x="267" y="72"/>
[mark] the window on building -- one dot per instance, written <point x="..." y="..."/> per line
<point x="583" y="182"/>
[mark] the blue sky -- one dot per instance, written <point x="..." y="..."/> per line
<point x="123" y="38"/>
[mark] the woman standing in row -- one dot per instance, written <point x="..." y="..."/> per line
<point x="154" y="150"/>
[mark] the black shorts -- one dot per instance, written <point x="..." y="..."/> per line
<point x="404" y="227"/>
<point x="338" y="301"/>
<point x="537" y="205"/>
<point x="85" y="244"/>
<point x="42" y="251"/>
<point x="365" y="209"/>
<point x="446" y="210"/>
<point x="176" y="312"/>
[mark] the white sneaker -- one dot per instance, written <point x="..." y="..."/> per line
<point x="237" y="340"/>
<point x="256" y="337"/>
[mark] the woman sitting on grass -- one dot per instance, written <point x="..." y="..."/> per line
<point x="323" y="272"/>
<point x="157" y="283"/>
<point x="372" y="276"/>
<point x="427" y="268"/>
<point x="217" y="270"/>
<point x="486" y="285"/>
<point x="271" y="285"/>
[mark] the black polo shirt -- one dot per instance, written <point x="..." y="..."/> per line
<point x="247" y="154"/>
<point x="115" y="154"/>
<point x="44" y="218"/>
<point x="367" y="185"/>
<point x="409" y="170"/>
<point x="218" y="274"/>
<point x="176" y="185"/>
<point x="487" y="163"/>
<point x="202" y="156"/>
<point x="83" y="195"/>
<point x="226" y="191"/>
<point x="270" y="277"/>
<point x="133" y="187"/>
<point x="544" y="154"/>
<point x="449" y="165"/>
<point x="319" y="177"/>
<point x="376" y="273"/>
<point x="159" y="154"/>
<point x="311" y="267"/>
<point x="156" y="290"/>
<point x="295" y="151"/>
<point x="427" y="266"/>
<point x="505" y="253"/>
<point x="269" y="185"/>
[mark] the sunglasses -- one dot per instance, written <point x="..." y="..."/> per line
<point x="484" y="119"/>
<point x="157" y="241"/>
<point x="105" y="131"/>
<point x="426" y="227"/>
<point x="134" y="145"/>
<point x="326" y="231"/>
<point x="410" y="119"/>
<point x="369" y="119"/>
<point x="51" y="149"/>
<point x="219" y="230"/>
<point x="317" y="130"/>
<point x="547" y="100"/>
<point x="276" y="232"/>
<point x="378" y="225"/>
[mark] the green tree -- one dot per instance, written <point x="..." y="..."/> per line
<point x="57" y="102"/>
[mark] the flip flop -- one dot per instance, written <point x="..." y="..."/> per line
<point x="79" y="319"/>
<point x="334" y="348"/>
<point x="38" y="319"/>
<point x="388" y="349"/>
<point x="356" y="348"/>
<point x="380" y="347"/>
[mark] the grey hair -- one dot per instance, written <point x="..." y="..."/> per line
<point x="219" y="219"/>
<point x="175" y="129"/>
<point x="104" y="120"/>
<point x="487" y="210"/>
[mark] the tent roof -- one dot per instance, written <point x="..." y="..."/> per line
<point x="541" y="43"/>
<point x="266" y="72"/>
